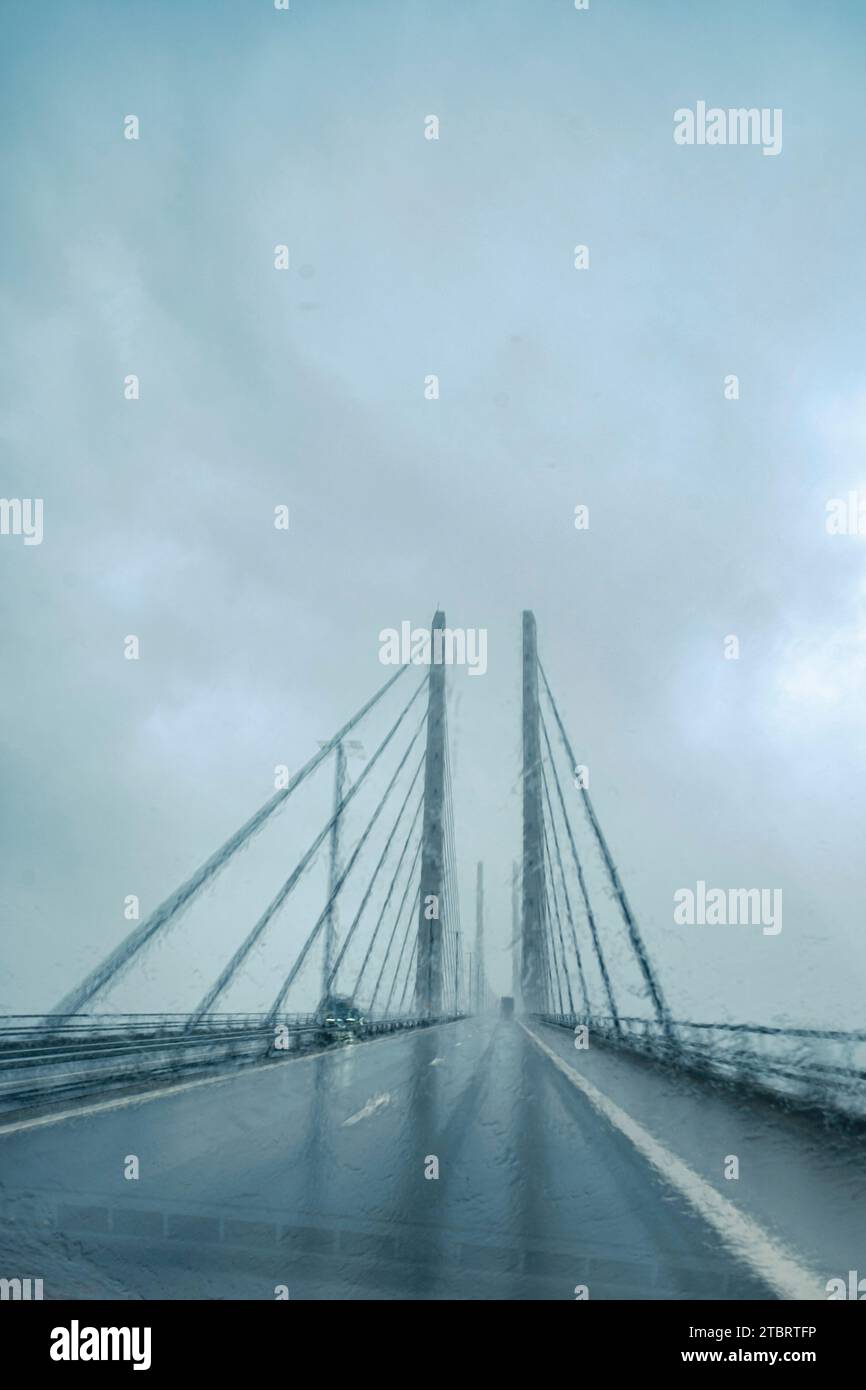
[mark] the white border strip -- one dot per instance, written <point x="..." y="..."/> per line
<point x="766" y="1257"/>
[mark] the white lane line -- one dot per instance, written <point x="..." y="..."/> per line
<point x="122" y="1102"/>
<point x="374" y="1104"/>
<point x="748" y="1241"/>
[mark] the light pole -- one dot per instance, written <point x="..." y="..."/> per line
<point x="340" y="777"/>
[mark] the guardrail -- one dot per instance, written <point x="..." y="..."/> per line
<point x="810" y="1068"/>
<point x="48" y="1058"/>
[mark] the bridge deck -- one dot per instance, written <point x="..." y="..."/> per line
<point x="311" y="1174"/>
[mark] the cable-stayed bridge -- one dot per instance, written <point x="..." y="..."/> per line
<point x="377" y="1127"/>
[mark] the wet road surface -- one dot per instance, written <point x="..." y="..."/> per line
<point x="312" y="1174"/>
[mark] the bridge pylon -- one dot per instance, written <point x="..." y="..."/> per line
<point x="431" y="903"/>
<point x="515" y="932"/>
<point x="534" y="963"/>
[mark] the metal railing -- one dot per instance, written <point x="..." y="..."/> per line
<point x="46" y="1058"/>
<point x="814" y="1068"/>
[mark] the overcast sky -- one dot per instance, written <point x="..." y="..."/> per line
<point x="558" y="387"/>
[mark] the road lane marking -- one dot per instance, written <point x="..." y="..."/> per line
<point x="122" y="1102"/>
<point x="745" y="1238"/>
<point x="374" y="1104"/>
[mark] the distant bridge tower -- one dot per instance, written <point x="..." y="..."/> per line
<point x="428" y="977"/>
<point x="515" y="932"/>
<point x="534" y="964"/>
<point x="480" y="977"/>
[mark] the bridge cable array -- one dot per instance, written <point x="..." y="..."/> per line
<point x="383" y="967"/>
<point x="819" y="1068"/>
<point x="638" y="945"/>
<point x="554" y="966"/>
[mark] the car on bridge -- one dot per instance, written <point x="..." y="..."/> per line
<point x="340" y="1016"/>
